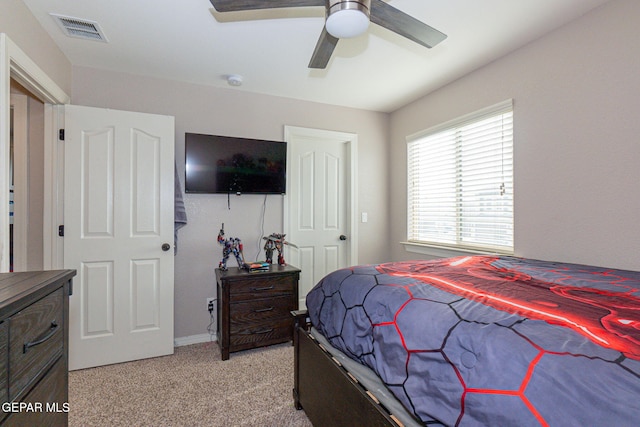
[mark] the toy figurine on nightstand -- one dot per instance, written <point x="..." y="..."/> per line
<point x="275" y="241"/>
<point x="230" y="246"/>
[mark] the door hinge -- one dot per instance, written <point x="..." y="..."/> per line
<point x="61" y="134"/>
<point x="61" y="230"/>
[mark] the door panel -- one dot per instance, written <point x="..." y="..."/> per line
<point x="333" y="204"/>
<point x="145" y="288"/>
<point x="97" y="156"/>
<point x="119" y="170"/>
<point x="305" y="189"/>
<point x="96" y="291"/>
<point x="146" y="177"/>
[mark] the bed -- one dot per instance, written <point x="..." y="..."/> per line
<point x="470" y="341"/>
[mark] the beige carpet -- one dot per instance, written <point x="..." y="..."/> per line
<point x="193" y="387"/>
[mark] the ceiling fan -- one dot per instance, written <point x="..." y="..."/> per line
<point x="344" y="19"/>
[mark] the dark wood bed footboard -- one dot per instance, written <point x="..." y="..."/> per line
<point x="329" y="395"/>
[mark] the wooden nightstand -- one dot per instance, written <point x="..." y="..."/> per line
<point x="254" y="308"/>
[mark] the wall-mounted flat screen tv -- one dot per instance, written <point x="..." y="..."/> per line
<point x="225" y="164"/>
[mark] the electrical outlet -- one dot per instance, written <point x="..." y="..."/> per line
<point x="210" y="304"/>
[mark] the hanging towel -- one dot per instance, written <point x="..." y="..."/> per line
<point x="180" y="213"/>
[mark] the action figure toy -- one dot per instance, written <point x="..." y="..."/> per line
<point x="229" y="246"/>
<point x="275" y="241"/>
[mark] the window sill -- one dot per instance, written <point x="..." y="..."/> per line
<point x="445" y="252"/>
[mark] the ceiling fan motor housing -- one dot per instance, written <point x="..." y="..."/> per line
<point x="347" y="18"/>
<point x="362" y="5"/>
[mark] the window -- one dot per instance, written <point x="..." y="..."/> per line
<point x="460" y="182"/>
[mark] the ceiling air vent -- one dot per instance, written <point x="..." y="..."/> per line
<point x="80" y="28"/>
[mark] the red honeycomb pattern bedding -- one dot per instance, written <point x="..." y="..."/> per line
<point x="492" y="340"/>
<point x="609" y="318"/>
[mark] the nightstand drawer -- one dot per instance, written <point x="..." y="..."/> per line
<point x="258" y="287"/>
<point x="248" y="313"/>
<point x="257" y="335"/>
<point x="36" y="340"/>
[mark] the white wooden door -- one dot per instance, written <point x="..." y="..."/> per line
<point x="320" y="194"/>
<point x="118" y="214"/>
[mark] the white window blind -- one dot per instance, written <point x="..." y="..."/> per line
<point x="460" y="182"/>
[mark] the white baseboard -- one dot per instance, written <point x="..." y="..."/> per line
<point x="194" y="339"/>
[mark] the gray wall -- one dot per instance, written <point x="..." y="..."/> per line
<point x="209" y="110"/>
<point x="24" y="30"/>
<point x="576" y="99"/>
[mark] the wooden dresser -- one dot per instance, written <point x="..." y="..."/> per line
<point x="34" y="343"/>
<point x="254" y="309"/>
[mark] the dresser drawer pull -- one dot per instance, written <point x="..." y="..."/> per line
<point x="263" y="331"/>
<point x="266" y="288"/>
<point x="262" y="310"/>
<point x="44" y="337"/>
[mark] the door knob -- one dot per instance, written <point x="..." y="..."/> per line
<point x="166" y="247"/>
<point x="343" y="237"/>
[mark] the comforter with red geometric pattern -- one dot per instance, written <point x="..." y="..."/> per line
<point x="492" y="341"/>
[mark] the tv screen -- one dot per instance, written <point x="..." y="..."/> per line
<point x="224" y="164"/>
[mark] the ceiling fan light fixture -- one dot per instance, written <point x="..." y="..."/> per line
<point x="346" y="19"/>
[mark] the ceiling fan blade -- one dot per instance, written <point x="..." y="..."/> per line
<point x="324" y="49"/>
<point x="407" y="26"/>
<point x="238" y="5"/>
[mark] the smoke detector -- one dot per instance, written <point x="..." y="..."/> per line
<point x="80" y="28"/>
<point x="234" y="80"/>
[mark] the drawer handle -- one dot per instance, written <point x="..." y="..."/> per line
<point x="266" y="288"/>
<point x="44" y="337"/>
<point x="262" y="310"/>
<point x="263" y="331"/>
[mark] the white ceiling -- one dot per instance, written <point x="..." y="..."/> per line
<point x="187" y="41"/>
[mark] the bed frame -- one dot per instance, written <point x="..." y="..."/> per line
<point x="329" y="395"/>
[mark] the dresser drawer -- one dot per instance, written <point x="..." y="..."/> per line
<point x="50" y="396"/>
<point x="261" y="287"/>
<point x="250" y="313"/>
<point x="36" y="340"/>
